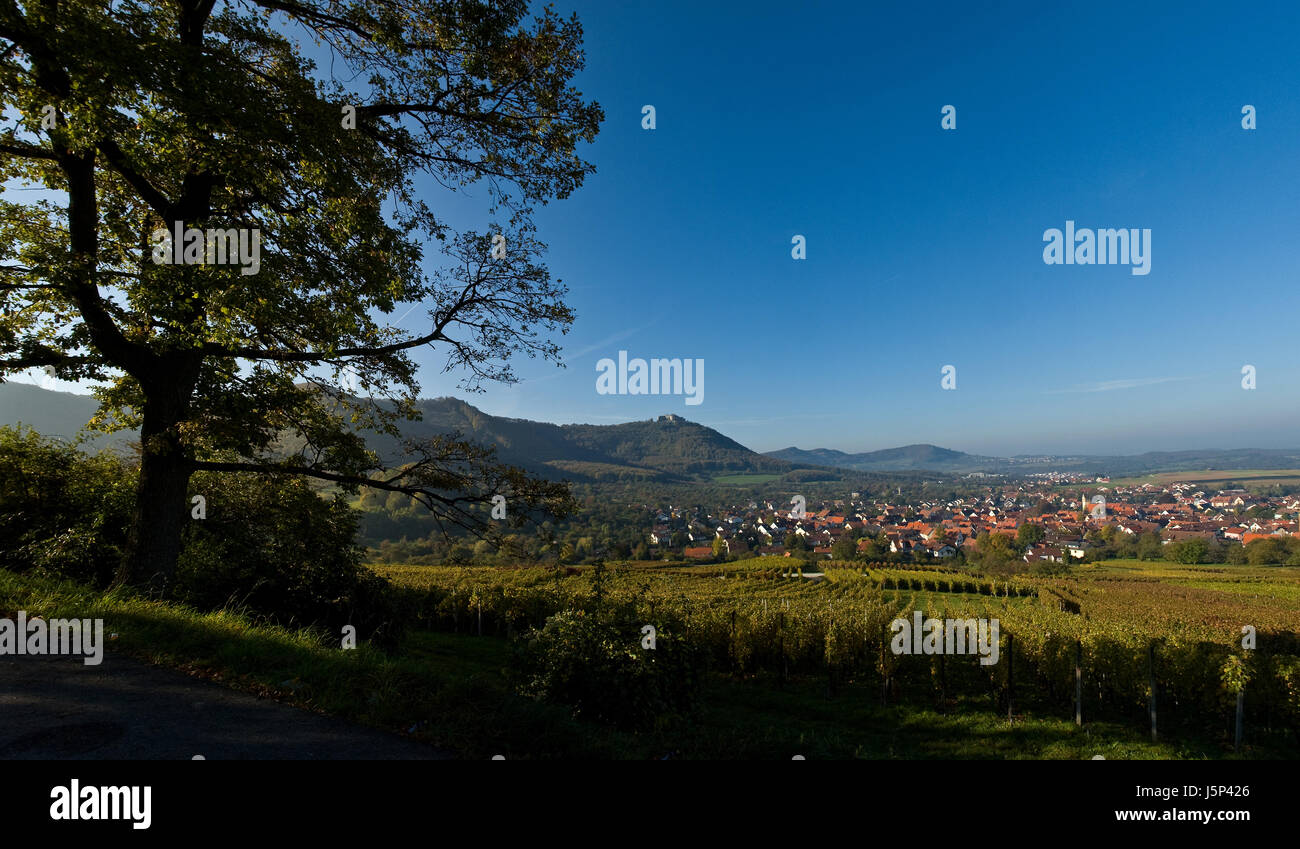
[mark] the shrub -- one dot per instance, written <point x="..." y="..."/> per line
<point x="590" y="658"/>
<point x="1048" y="567"/>
<point x="279" y="550"/>
<point x="584" y="660"/>
<point x="62" y="511"/>
<point x="1266" y="552"/>
<point x="274" y="548"/>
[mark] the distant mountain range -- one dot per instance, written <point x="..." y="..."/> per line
<point x="60" y="414"/>
<point x="932" y="458"/>
<point x="907" y="458"/>
<point x="668" y="448"/>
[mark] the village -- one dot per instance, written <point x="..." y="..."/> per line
<point x="1040" y="523"/>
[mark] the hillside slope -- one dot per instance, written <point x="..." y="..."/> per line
<point x="666" y="449"/>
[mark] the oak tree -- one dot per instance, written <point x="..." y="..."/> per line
<point x="324" y="129"/>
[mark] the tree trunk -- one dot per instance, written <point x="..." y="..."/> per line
<point x="162" y="504"/>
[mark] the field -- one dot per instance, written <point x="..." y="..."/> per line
<point x="1214" y="478"/>
<point x="770" y="633"/>
<point x="745" y="479"/>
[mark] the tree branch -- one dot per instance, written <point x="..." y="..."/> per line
<point x="28" y="151"/>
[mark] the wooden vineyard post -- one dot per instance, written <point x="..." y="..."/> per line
<point x="1241" y="710"/>
<point x="884" y="669"/>
<point x="1011" y="677"/>
<point x="1078" y="683"/>
<point x="733" y="648"/>
<point x="480" y="617"/>
<point x="1151" y="673"/>
<point x="780" y="630"/>
<point x="830" y="675"/>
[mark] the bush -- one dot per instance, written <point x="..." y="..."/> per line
<point x="1266" y="552"/>
<point x="1189" y="551"/>
<point x="591" y="659"/>
<point x="279" y="550"/>
<point x="1050" y="567"/>
<point x="274" y="548"/>
<point x="62" y="511"/>
<point x="586" y="661"/>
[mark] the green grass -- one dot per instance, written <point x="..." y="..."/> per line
<point x="853" y="724"/>
<point x="447" y="688"/>
<point x="1210" y="476"/>
<point x="745" y="479"/>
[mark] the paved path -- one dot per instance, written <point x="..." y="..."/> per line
<point x="125" y="709"/>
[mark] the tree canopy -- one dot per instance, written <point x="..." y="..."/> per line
<point x="142" y="118"/>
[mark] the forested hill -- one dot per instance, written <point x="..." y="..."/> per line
<point x="908" y="457"/>
<point x="666" y="449"/>
<point x="661" y="449"/>
<point x="56" y="414"/>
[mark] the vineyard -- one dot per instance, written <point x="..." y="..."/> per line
<point x="1121" y="624"/>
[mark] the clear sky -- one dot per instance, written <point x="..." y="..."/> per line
<point x="925" y="245"/>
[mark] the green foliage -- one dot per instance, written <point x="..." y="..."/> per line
<point x="995" y="544"/>
<point x="1029" y="534"/>
<point x="271" y="547"/>
<point x="60" y="510"/>
<point x="1149" y="546"/>
<point x="210" y="117"/>
<point x="278" y="549"/>
<point x="681" y="448"/>
<point x="1235" y="673"/>
<point x="592" y="659"/>
<point x="1267" y="552"/>
<point x="1050" y="567"/>
<point x="1189" y="551"/>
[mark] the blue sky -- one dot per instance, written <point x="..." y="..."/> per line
<point x="924" y="246"/>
